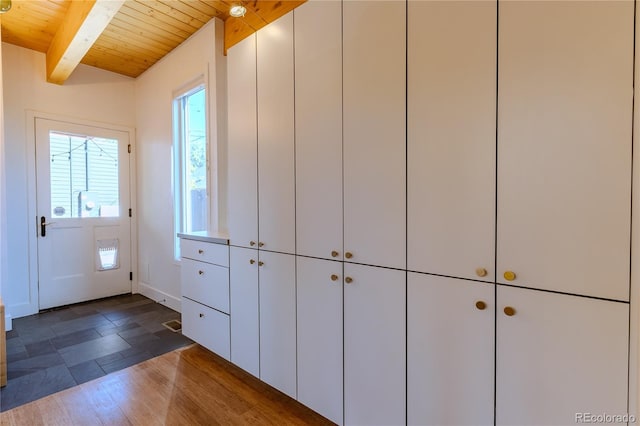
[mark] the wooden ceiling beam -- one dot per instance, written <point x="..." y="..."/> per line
<point x="83" y="23"/>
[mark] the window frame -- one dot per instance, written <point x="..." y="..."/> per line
<point x="179" y="160"/>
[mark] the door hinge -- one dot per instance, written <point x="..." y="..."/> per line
<point x="130" y="213"/>
<point x="129" y="148"/>
<point x="130" y="276"/>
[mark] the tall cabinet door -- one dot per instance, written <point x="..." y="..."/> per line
<point x="451" y="137"/>
<point x="318" y="68"/>
<point x="564" y="146"/>
<point x="242" y="215"/>
<point x="374" y="68"/>
<point x="319" y="295"/>
<point x="245" y="323"/>
<point x="275" y="136"/>
<point x="374" y="346"/>
<point x="559" y="355"/>
<point x="278" y="321"/>
<point x="450" y="351"/>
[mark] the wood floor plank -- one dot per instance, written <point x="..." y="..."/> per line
<point x="187" y="386"/>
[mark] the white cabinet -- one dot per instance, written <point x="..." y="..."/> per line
<point x="564" y="146"/>
<point x="374" y="345"/>
<point x="374" y="99"/>
<point x="245" y="326"/>
<point x="275" y="88"/>
<point x="242" y="205"/>
<point x="450" y="351"/>
<point x="559" y="355"/>
<point x="451" y="130"/>
<point x="263" y="311"/>
<point x="277" y="278"/>
<point x="318" y="107"/>
<point x="206" y="326"/>
<point x="319" y="306"/>
<point x="205" y="293"/>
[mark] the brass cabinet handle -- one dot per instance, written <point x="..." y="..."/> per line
<point x="348" y="280"/>
<point x="200" y="251"/>
<point x="509" y="275"/>
<point x="201" y="272"/>
<point x="334" y="277"/>
<point x="481" y="305"/>
<point x="251" y="261"/>
<point x="201" y="315"/>
<point x="260" y="244"/>
<point x="334" y="254"/>
<point x="481" y="272"/>
<point x="509" y="311"/>
<point x="348" y="255"/>
<point x="252" y="243"/>
<point x="260" y="263"/>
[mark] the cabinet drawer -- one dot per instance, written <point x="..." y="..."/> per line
<point x="206" y="326"/>
<point x="205" y="252"/>
<point x="206" y="283"/>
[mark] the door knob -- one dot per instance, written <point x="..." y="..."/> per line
<point x="348" y="280"/>
<point x="334" y="277"/>
<point x="43" y="226"/>
<point x="509" y="275"/>
<point x="200" y="251"/>
<point x="200" y="272"/>
<point x="481" y="305"/>
<point x="260" y="263"/>
<point x="201" y="315"/>
<point x="334" y="254"/>
<point x="260" y="244"/>
<point x="251" y="261"/>
<point x="509" y="311"/>
<point x="348" y="255"/>
<point x="252" y="243"/>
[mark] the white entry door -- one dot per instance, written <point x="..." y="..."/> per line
<point x="84" y="229"/>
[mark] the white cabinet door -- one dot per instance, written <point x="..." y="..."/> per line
<point x="375" y="132"/>
<point x="278" y="321"/>
<point x="242" y="217"/>
<point x="245" y="322"/>
<point x="558" y="356"/>
<point x="318" y="85"/>
<point x="564" y="145"/>
<point x="450" y="351"/>
<point x="320" y="365"/>
<point x="275" y="136"/>
<point x="451" y="132"/>
<point x="374" y="346"/>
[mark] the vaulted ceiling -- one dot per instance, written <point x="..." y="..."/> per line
<point x="124" y="36"/>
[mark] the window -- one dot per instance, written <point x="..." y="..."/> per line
<point x="191" y="163"/>
<point x="84" y="176"/>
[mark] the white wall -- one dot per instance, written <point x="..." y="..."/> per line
<point x="90" y="94"/>
<point x="199" y="56"/>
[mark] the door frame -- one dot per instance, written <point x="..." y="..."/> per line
<point x="31" y="116"/>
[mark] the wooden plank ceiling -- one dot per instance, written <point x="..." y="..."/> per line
<point x="138" y="34"/>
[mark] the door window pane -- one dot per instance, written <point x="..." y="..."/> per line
<point x="84" y="176"/>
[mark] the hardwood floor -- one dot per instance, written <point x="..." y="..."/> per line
<point x="189" y="386"/>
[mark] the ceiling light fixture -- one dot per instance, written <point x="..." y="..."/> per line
<point x="237" y="11"/>
<point x="5" y="5"/>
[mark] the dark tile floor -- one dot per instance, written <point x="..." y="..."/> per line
<point x="64" y="347"/>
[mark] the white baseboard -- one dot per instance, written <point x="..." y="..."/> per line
<point x="160" y="296"/>
<point x="8" y="326"/>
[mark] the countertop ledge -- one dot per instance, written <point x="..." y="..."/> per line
<point x="207" y="237"/>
